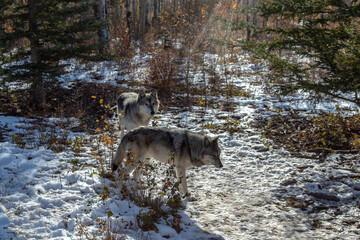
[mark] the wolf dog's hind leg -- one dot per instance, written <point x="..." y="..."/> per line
<point x="138" y="165"/>
<point x="181" y="177"/>
<point x="130" y="163"/>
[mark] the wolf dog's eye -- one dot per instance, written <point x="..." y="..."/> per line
<point x="153" y="103"/>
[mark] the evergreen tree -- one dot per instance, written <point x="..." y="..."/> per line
<point x="310" y="45"/>
<point x="36" y="34"/>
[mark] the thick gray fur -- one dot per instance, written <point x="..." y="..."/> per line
<point x="180" y="148"/>
<point x="135" y="110"/>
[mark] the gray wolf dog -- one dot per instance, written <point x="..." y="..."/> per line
<point x="180" y="148"/>
<point x="136" y="110"/>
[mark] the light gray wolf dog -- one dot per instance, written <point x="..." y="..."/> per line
<point x="135" y="110"/>
<point x="180" y="148"/>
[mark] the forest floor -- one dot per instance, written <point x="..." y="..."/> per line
<point x="262" y="192"/>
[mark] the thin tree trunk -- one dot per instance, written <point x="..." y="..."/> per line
<point x="187" y="79"/>
<point x="128" y="17"/>
<point x="134" y="11"/>
<point x="161" y="5"/>
<point x="37" y="87"/>
<point x="142" y="17"/>
<point x="248" y="30"/>
<point x="205" y="87"/>
<point x="156" y="12"/>
<point x="103" y="33"/>
<point x="147" y="10"/>
<point x="255" y="19"/>
<point x="197" y="9"/>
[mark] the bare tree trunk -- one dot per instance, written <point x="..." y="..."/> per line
<point x="248" y="30"/>
<point x="147" y="10"/>
<point x="187" y="79"/>
<point x="156" y="12"/>
<point x="37" y="87"/>
<point x="205" y="87"/>
<point x="128" y="17"/>
<point x="264" y="22"/>
<point x="161" y="5"/>
<point x="134" y="11"/>
<point x="255" y="19"/>
<point x="103" y="33"/>
<point x="118" y="10"/>
<point x="197" y="9"/>
<point x="142" y="17"/>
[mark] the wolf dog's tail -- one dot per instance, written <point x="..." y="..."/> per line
<point x="120" y="155"/>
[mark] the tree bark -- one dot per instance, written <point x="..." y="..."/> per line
<point x="156" y="12"/>
<point x="147" y="10"/>
<point x="248" y="29"/>
<point x="142" y="17"/>
<point x="118" y="10"/>
<point x="37" y="87"/>
<point x="134" y="22"/>
<point x="103" y="33"/>
<point x="255" y="18"/>
<point x="128" y="17"/>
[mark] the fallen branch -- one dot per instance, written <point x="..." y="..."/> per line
<point x="329" y="150"/>
<point x="348" y="169"/>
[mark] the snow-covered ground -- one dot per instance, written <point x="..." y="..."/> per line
<point x="260" y="193"/>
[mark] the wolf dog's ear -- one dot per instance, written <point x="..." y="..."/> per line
<point x="207" y="141"/>
<point x="154" y="94"/>
<point x="216" y="139"/>
<point x="141" y="94"/>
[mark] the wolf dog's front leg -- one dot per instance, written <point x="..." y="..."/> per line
<point x="137" y="172"/>
<point x="181" y="177"/>
<point x="132" y="162"/>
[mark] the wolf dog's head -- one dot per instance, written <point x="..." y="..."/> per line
<point x="148" y="103"/>
<point x="211" y="152"/>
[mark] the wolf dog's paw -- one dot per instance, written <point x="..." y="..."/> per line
<point x="192" y="199"/>
<point x="186" y="199"/>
